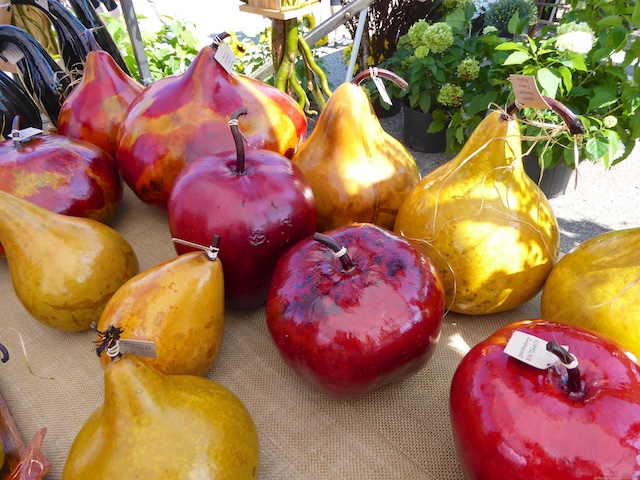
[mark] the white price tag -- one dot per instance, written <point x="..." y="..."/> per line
<point x="11" y="53"/>
<point x="377" y="81"/>
<point x="25" y="134"/>
<point x="43" y="3"/>
<point x="225" y="57"/>
<point x="141" y="348"/>
<point x="526" y="92"/>
<point x="531" y="350"/>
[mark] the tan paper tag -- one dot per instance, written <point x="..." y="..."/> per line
<point x="526" y="92"/>
<point x="11" y="53"/>
<point x="141" y="348"/>
<point x="225" y="57"/>
<point x="25" y="134"/>
<point x="377" y="81"/>
<point x="531" y="350"/>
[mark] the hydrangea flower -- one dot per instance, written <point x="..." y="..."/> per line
<point x="453" y="4"/>
<point x="575" y="37"/>
<point x="609" y="121"/>
<point x="438" y="37"/>
<point x="468" y="69"/>
<point x="450" y="95"/>
<point x="489" y="30"/>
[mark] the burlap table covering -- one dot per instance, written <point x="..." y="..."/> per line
<point x="399" y="432"/>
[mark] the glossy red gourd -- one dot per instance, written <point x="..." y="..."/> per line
<point x="63" y="175"/>
<point x="96" y="107"/>
<point x="181" y="118"/>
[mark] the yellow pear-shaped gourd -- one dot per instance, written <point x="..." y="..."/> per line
<point x="597" y="286"/>
<point x="358" y="172"/>
<point x="178" y="305"/>
<point x="154" y="426"/>
<point x="487" y="226"/>
<point x="63" y="269"/>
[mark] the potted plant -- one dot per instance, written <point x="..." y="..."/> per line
<point x="590" y="64"/>
<point x="442" y="61"/>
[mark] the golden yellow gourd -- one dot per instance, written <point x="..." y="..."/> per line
<point x="63" y="269"/>
<point x="164" y="427"/>
<point x="357" y="171"/>
<point x="597" y="286"/>
<point x="178" y="305"/>
<point x="487" y="226"/>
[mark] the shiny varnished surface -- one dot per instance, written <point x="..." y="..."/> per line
<point x="513" y="421"/>
<point x="63" y="269"/>
<point x="62" y="175"/>
<point x="358" y="172"/>
<point x="96" y="107"/>
<point x="258" y="216"/>
<point x="178" y="305"/>
<point x="487" y="225"/>
<point x="349" y="333"/>
<point x="181" y="118"/>
<point x="164" y="427"/>
<point x="597" y="286"/>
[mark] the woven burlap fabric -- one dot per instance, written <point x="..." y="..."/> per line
<point x="399" y="432"/>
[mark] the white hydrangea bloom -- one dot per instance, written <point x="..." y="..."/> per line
<point x="481" y="7"/>
<point x="575" y="42"/>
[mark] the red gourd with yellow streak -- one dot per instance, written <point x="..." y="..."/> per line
<point x="96" y="107"/>
<point x="181" y="118"/>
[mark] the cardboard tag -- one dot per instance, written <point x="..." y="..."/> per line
<point x="526" y="92"/>
<point x="377" y="81"/>
<point x="531" y="350"/>
<point x="141" y="348"/>
<point x="25" y="134"/>
<point x="11" y="53"/>
<point x="43" y="3"/>
<point x="225" y="57"/>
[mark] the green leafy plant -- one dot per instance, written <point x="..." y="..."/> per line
<point x="445" y="65"/>
<point x="590" y="64"/>
<point x="500" y="12"/>
<point x="169" y="50"/>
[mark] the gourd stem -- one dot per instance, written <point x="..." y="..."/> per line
<point x="237" y="138"/>
<point x="338" y="250"/>
<point x="15" y="130"/>
<point x="91" y="40"/>
<point x="380" y="72"/>
<point x="575" y="384"/>
<point x="217" y="40"/>
<point x="576" y="127"/>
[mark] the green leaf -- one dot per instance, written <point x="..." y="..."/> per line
<point x="481" y="103"/>
<point x="567" y="78"/>
<point x="549" y="82"/>
<point x="425" y="103"/>
<point x="517" y="58"/>
<point x="512" y="46"/>
<point x="577" y="61"/>
<point x="435" y="126"/>
<point x="514" y="23"/>
<point x="596" y="148"/>
<point x="456" y="19"/>
<point x="604" y="95"/>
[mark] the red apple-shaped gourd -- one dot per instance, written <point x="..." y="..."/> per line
<point x="259" y="203"/>
<point x="181" y="118"/>
<point x="355" y="309"/>
<point x="578" y="419"/>
<point x="96" y="107"/>
<point x="61" y="174"/>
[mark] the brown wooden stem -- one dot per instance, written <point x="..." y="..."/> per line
<point x="217" y="40"/>
<point x="576" y="127"/>
<point x="381" y="72"/>
<point x="237" y="138"/>
<point x="574" y="382"/>
<point x="347" y="263"/>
